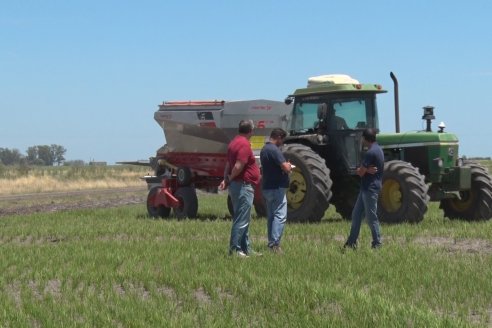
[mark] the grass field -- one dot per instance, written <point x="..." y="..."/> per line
<point x="116" y="267"/>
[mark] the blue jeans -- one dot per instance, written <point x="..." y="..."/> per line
<point x="366" y="205"/>
<point x="242" y="199"/>
<point x="276" y="203"/>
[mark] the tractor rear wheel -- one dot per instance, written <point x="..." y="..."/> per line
<point x="188" y="203"/>
<point x="474" y="204"/>
<point x="156" y="211"/>
<point x="345" y="192"/>
<point x="309" y="192"/>
<point x="404" y="194"/>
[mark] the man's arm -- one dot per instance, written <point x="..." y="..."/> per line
<point x="223" y="185"/>
<point x="286" y="167"/>
<point x="236" y="170"/>
<point x="362" y="170"/>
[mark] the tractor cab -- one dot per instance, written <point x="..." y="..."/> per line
<point x="330" y="115"/>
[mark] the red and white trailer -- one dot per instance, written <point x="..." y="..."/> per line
<point x="197" y="134"/>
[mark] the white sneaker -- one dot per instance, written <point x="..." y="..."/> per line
<point x="241" y="254"/>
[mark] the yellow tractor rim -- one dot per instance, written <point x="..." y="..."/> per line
<point x="297" y="189"/>
<point x="391" y="195"/>
<point x="463" y="204"/>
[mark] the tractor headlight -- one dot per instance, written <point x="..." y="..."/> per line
<point x="459" y="162"/>
<point x="439" y="161"/>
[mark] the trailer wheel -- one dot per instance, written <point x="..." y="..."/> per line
<point x="309" y="191"/>
<point x="404" y="194"/>
<point x="188" y="203"/>
<point x="476" y="203"/>
<point x="156" y="211"/>
<point x="184" y="176"/>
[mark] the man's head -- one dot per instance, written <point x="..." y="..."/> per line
<point x="369" y="135"/>
<point x="246" y="127"/>
<point x="277" y="136"/>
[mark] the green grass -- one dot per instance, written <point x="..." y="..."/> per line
<point x="116" y="267"/>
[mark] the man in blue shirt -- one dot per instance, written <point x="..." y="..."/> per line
<point x="371" y="173"/>
<point x="275" y="171"/>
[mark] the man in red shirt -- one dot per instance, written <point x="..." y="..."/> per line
<point x="241" y="175"/>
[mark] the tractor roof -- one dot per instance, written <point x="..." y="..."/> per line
<point x="336" y="83"/>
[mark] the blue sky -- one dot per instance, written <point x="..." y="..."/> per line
<point x="89" y="75"/>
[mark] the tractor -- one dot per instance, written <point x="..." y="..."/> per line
<point x="324" y="144"/>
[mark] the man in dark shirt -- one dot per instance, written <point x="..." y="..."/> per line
<point x="274" y="186"/>
<point x="371" y="173"/>
<point x="241" y="175"/>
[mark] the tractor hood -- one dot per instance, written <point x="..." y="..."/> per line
<point x="425" y="148"/>
<point x="422" y="138"/>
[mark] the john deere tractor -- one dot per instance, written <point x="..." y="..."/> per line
<point x="324" y="144"/>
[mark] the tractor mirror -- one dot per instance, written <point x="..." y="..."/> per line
<point x="288" y="100"/>
<point x="322" y="111"/>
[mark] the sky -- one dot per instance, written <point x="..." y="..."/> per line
<point x="89" y="75"/>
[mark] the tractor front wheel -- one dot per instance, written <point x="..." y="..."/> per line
<point x="309" y="191"/>
<point x="474" y="204"/>
<point x="188" y="203"/>
<point x="404" y="194"/>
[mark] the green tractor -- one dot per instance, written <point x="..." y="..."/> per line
<point x="324" y="144"/>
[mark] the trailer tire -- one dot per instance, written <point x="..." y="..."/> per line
<point x="404" y="194"/>
<point x="309" y="192"/>
<point x="184" y="176"/>
<point x="153" y="211"/>
<point x="476" y="203"/>
<point x="188" y="203"/>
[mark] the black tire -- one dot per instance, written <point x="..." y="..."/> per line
<point x="153" y="211"/>
<point x="309" y="192"/>
<point x="260" y="208"/>
<point x="184" y="175"/>
<point x="230" y="207"/>
<point x="188" y="207"/>
<point x="345" y="192"/>
<point x="404" y="195"/>
<point x="476" y="203"/>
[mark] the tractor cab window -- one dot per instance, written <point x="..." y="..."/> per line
<point x="305" y="116"/>
<point x="348" y="113"/>
<point x="354" y="113"/>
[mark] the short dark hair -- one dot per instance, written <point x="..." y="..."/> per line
<point x="370" y="134"/>
<point x="246" y="126"/>
<point x="278" y="133"/>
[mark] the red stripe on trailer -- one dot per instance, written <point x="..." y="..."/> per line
<point x="205" y="164"/>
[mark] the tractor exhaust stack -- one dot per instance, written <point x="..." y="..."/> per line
<point x="397" y="103"/>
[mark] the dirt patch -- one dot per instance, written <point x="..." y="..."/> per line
<point x="456" y="245"/>
<point x="202" y="297"/>
<point x="53" y="287"/>
<point x="26" y="204"/>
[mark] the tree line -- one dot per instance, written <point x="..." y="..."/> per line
<point x="43" y="155"/>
